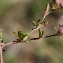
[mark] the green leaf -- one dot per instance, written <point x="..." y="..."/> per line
<point x="28" y="34"/>
<point x="40" y="34"/>
<point x="48" y="7"/>
<point x="25" y="38"/>
<point x="56" y="29"/>
<point x="37" y="25"/>
<point x="27" y="42"/>
<point x="47" y="22"/>
<point x="34" y="23"/>
<point x="21" y="34"/>
<point x="43" y="21"/>
<point x="16" y="33"/>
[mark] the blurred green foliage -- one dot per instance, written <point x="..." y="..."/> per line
<point x="55" y="42"/>
<point x="5" y="6"/>
<point x="8" y="59"/>
<point x="37" y="7"/>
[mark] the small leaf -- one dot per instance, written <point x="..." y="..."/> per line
<point x="25" y="38"/>
<point x="37" y="25"/>
<point x="27" y="42"/>
<point x="21" y="34"/>
<point x="34" y="23"/>
<point x="15" y="33"/>
<point x="28" y="34"/>
<point x="47" y="22"/>
<point x="56" y="29"/>
<point x="43" y="21"/>
<point x="48" y="7"/>
<point x="40" y="33"/>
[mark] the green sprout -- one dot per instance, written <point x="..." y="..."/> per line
<point x="22" y="35"/>
<point x="56" y="29"/>
<point x="41" y="33"/>
<point x="35" y="23"/>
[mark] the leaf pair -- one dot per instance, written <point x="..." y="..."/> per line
<point x="41" y="33"/>
<point x="36" y="24"/>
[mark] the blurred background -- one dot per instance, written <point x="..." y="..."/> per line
<point x="17" y="15"/>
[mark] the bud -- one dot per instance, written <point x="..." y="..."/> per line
<point x="59" y="2"/>
<point x="60" y="32"/>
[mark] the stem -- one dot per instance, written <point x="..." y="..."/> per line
<point x="51" y="35"/>
<point x="37" y="28"/>
<point x="1" y="59"/>
<point x="6" y="45"/>
<point x="44" y="37"/>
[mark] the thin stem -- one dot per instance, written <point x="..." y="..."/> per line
<point x="36" y="28"/>
<point x="46" y="14"/>
<point x="44" y="37"/>
<point x="50" y="36"/>
<point x="7" y="44"/>
<point x="1" y="59"/>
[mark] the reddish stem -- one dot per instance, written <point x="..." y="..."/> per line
<point x="1" y="59"/>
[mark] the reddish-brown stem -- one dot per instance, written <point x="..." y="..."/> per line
<point x="44" y="37"/>
<point x="15" y="42"/>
